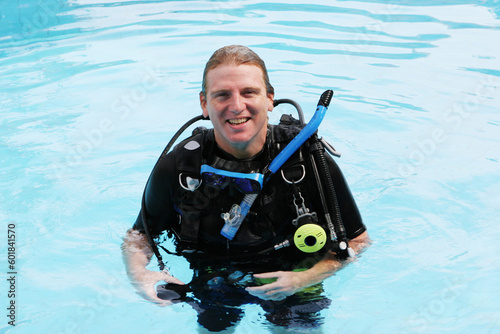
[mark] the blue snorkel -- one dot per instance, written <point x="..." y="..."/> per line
<point x="303" y="135"/>
<point x="237" y="214"/>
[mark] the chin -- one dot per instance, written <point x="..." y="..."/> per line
<point x="239" y="141"/>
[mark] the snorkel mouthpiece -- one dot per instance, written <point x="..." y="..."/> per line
<point x="235" y="217"/>
<point x="326" y="98"/>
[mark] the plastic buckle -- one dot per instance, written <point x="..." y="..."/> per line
<point x="303" y="214"/>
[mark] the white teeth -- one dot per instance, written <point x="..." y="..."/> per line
<point x="238" y="121"/>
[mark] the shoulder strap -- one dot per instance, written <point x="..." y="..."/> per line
<point x="188" y="156"/>
<point x="188" y="153"/>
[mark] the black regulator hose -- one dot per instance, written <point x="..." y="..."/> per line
<point x="332" y="203"/>
<point x="329" y="196"/>
<point x="144" y="212"/>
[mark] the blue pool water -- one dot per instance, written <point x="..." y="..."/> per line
<point x="91" y="91"/>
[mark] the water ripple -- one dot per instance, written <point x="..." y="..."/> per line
<point x="91" y="91"/>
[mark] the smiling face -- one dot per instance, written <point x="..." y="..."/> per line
<point x="237" y="102"/>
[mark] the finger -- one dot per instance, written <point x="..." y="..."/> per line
<point x="256" y="291"/>
<point x="150" y="294"/>
<point x="279" y="297"/>
<point x="262" y="294"/>
<point x="266" y="292"/>
<point x="263" y="289"/>
<point x="274" y="274"/>
<point x="161" y="302"/>
<point x="272" y="296"/>
<point x="170" y="279"/>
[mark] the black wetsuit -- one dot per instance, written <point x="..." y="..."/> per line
<point x="193" y="218"/>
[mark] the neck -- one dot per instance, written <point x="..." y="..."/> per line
<point x="243" y="151"/>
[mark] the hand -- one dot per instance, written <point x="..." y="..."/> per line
<point x="287" y="283"/>
<point x="146" y="281"/>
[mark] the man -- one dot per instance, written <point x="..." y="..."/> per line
<point x="236" y="95"/>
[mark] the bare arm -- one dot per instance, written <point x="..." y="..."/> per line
<point x="289" y="282"/>
<point x="137" y="253"/>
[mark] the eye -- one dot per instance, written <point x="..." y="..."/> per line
<point x="222" y="95"/>
<point x="249" y="92"/>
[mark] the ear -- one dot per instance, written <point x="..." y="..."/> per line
<point x="203" y="104"/>
<point x="270" y="105"/>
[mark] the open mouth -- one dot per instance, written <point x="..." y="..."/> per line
<point x="238" y="121"/>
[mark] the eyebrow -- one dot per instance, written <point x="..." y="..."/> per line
<point x="254" y="89"/>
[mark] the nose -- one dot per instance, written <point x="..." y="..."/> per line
<point x="236" y="104"/>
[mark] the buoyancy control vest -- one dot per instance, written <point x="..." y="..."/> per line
<point x="269" y="221"/>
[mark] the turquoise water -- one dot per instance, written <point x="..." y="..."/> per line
<point x="91" y="91"/>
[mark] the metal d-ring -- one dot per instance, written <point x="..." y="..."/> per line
<point x="187" y="187"/>
<point x="292" y="182"/>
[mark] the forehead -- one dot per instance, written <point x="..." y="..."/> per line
<point x="226" y="76"/>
